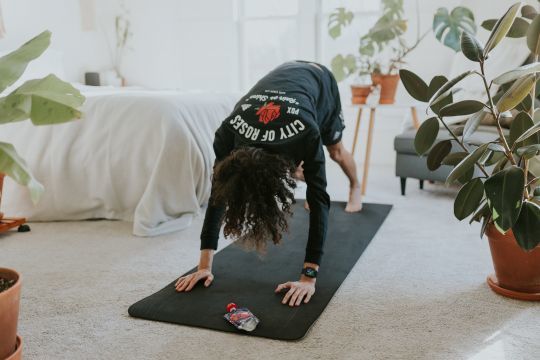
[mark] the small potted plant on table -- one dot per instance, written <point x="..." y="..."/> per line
<point x="506" y="197"/>
<point x="43" y="101"/>
<point x="385" y="39"/>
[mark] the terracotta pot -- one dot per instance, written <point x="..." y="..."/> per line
<point x="388" y="85"/>
<point x="1" y="192"/>
<point x="517" y="272"/>
<point x="17" y="355"/>
<point x="360" y="93"/>
<point x="9" y="313"/>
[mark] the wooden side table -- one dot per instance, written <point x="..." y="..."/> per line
<point x="372" y="112"/>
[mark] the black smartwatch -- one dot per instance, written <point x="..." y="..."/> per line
<point x="309" y="272"/>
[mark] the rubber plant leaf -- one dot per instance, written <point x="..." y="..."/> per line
<point x="504" y="192"/>
<point x="426" y="135"/>
<point x="471" y="48"/>
<point x="415" y="86"/>
<point x="527" y="227"/>
<point x="468" y="198"/>
<point x="501" y="28"/>
<point x="516" y="93"/>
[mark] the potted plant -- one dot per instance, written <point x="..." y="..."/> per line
<point x="386" y="39"/>
<point x="506" y="196"/>
<point x="123" y="35"/>
<point x="43" y="101"/>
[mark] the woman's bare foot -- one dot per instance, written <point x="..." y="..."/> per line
<point x="355" y="200"/>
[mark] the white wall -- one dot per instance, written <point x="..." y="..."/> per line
<point x="82" y="50"/>
<point x="194" y="44"/>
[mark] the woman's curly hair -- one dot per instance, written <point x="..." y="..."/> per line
<point x="257" y="189"/>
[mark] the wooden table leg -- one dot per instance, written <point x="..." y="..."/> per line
<point x="368" y="150"/>
<point x="356" y="129"/>
<point x="415" y="121"/>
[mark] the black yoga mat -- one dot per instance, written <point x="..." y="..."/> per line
<point x="249" y="281"/>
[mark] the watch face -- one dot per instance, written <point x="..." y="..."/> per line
<point x="310" y="272"/>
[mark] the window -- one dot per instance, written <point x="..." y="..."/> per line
<point x="271" y="32"/>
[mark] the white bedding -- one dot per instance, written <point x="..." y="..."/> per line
<point x="141" y="156"/>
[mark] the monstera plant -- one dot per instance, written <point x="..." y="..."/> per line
<point x="43" y="101"/>
<point x="504" y="192"/>
<point x="386" y="38"/>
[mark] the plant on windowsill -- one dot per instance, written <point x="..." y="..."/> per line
<point x="506" y="196"/>
<point x="44" y="101"/>
<point x="386" y="39"/>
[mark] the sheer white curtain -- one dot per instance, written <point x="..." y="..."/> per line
<point x="272" y="32"/>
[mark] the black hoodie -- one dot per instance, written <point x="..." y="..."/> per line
<point x="288" y="112"/>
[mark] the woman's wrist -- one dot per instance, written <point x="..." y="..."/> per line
<point x="305" y="278"/>
<point x="205" y="261"/>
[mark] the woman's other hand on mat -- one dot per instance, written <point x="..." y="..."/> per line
<point x="298" y="291"/>
<point x="186" y="283"/>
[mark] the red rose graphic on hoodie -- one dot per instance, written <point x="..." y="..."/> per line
<point x="268" y="112"/>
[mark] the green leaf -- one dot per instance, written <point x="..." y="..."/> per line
<point x="472" y="124"/>
<point x="466" y="164"/>
<point x="53" y="101"/>
<point x="464" y="107"/>
<point x="438" y="154"/>
<point x="442" y="102"/>
<point x="533" y="36"/>
<point x="517" y="30"/>
<point x="530" y="132"/>
<point x="466" y="177"/>
<point x="14" y="108"/>
<point x="528" y="11"/>
<point x="15" y="167"/>
<point x="338" y="20"/>
<point x="435" y="84"/>
<point x="517" y="92"/>
<point x="471" y="48"/>
<point x="445" y="89"/>
<point x="468" y="198"/>
<point x="517" y="73"/>
<point x="529" y="151"/>
<point x="481" y="211"/>
<point x="415" y="86"/>
<point x="500" y="165"/>
<point x="496" y="147"/>
<point x="488" y="24"/>
<point x="519" y="126"/>
<point x="343" y="67"/>
<point x="447" y="27"/>
<point x="504" y="192"/>
<point x="13" y="65"/>
<point x="494" y="158"/>
<point x="426" y="135"/>
<point x="525" y="104"/>
<point x="527" y="227"/>
<point x="454" y="158"/>
<point x="501" y="28"/>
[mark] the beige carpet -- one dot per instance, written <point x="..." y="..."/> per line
<point x="418" y="292"/>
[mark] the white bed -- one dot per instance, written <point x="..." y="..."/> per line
<point x="141" y="156"/>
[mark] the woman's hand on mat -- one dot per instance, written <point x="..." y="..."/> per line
<point x="298" y="291"/>
<point x="186" y="283"/>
